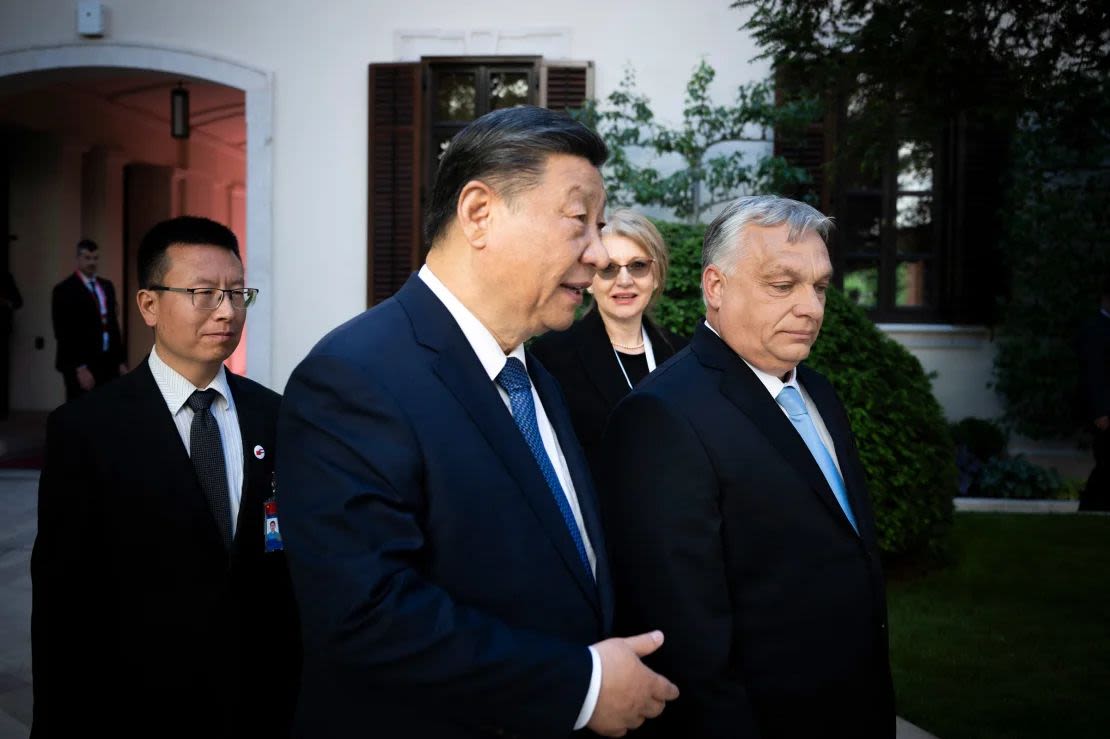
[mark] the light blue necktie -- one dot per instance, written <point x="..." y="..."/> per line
<point x="514" y="378"/>
<point x="791" y="400"/>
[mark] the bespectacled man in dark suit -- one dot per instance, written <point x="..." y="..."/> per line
<point x="158" y="607"/>
<point x="83" y="309"/>
<point x="736" y="507"/>
<point x="441" y="523"/>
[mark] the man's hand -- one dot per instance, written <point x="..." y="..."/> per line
<point x="630" y="692"/>
<point x="1102" y="423"/>
<point x="85" y="379"/>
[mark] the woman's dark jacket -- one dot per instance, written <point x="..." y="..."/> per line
<point x="582" y="360"/>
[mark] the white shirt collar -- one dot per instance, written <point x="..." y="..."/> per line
<point x="479" y="337"/>
<point x="176" y="389"/>
<point x="773" y="384"/>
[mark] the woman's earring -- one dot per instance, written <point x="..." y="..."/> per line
<point x="590" y="290"/>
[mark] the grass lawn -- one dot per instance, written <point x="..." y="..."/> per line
<point x="1012" y="641"/>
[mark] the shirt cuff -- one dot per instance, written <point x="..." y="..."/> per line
<point x="590" y="703"/>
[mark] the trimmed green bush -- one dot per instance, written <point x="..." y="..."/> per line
<point x="985" y="439"/>
<point x="978" y="441"/>
<point x="680" y="306"/>
<point x="987" y="471"/>
<point x="1017" y="477"/>
<point x="904" y="440"/>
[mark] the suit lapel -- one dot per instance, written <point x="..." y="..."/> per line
<point x="79" y="288"/>
<point x="596" y="354"/>
<point x="458" y="367"/>
<point x="661" y="346"/>
<point x="163" y="443"/>
<point x="248" y="529"/>
<point x="740" y="385"/>
<point x="828" y="406"/>
<point x="557" y="413"/>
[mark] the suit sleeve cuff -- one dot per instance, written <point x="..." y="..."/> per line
<point x="590" y="703"/>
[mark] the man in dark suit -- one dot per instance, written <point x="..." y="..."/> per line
<point x="736" y="507"/>
<point x="1094" y="356"/>
<point x="83" y="308"/>
<point x="441" y="523"/>
<point x="10" y="302"/>
<point x="156" y="608"/>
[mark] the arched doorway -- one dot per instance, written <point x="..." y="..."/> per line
<point x="257" y="88"/>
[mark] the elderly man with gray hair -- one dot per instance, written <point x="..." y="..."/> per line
<point x="736" y="508"/>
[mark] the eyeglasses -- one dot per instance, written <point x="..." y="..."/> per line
<point x="637" y="268"/>
<point x="210" y="298"/>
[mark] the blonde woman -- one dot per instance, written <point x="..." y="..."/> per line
<point x="599" y="359"/>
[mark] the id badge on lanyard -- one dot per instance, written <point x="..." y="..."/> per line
<point x="271" y="527"/>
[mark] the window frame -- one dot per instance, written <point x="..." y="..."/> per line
<point x="888" y="258"/>
<point x="482" y="67"/>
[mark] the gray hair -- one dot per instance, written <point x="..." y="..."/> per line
<point x="722" y="238"/>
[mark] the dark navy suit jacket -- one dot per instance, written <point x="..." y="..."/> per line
<point x="725" y="534"/>
<point x="440" y="591"/>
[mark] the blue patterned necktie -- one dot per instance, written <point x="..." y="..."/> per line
<point x="791" y="400"/>
<point x="514" y="379"/>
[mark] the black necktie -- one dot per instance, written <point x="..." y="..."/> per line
<point x="207" y="453"/>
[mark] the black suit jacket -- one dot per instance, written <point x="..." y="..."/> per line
<point x="725" y="535"/>
<point x="441" y="593"/>
<point x="142" y="622"/>
<point x="1094" y="358"/>
<point x="582" y="360"/>
<point x="77" y="327"/>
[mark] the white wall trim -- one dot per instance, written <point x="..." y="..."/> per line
<point x="550" y="42"/>
<point x="931" y="328"/>
<point x="937" y="335"/>
<point x="258" y="86"/>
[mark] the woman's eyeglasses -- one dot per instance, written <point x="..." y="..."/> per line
<point x="637" y="268"/>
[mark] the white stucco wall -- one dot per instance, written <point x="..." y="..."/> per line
<point x="962" y="360"/>
<point x="317" y="55"/>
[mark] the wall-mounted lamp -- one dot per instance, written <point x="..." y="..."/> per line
<point x="179" y="112"/>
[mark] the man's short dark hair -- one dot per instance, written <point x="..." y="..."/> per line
<point x="507" y="149"/>
<point x="86" y="245"/>
<point x="183" y="230"/>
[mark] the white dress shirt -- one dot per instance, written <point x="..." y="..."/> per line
<point x="775" y="385"/>
<point x="493" y="359"/>
<point x="176" y="390"/>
